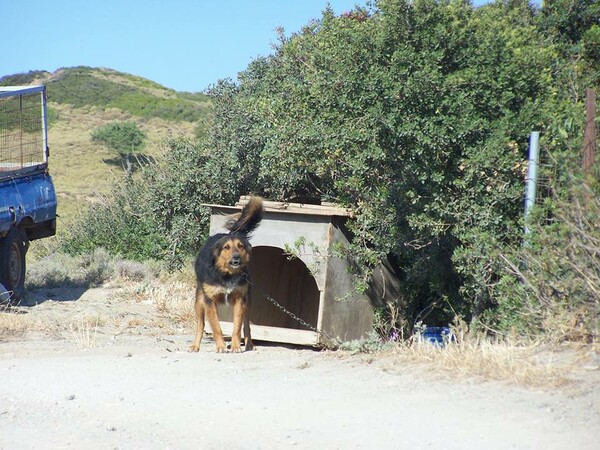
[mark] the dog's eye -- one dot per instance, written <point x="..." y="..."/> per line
<point x="240" y="245"/>
<point x="227" y="246"/>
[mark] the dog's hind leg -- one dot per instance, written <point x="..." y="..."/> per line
<point x="200" y="313"/>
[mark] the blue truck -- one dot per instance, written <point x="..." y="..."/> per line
<point x="27" y="195"/>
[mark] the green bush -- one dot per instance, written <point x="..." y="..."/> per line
<point x="59" y="270"/>
<point x="121" y="224"/>
<point x="414" y="114"/>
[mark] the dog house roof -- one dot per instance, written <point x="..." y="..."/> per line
<point x="325" y="209"/>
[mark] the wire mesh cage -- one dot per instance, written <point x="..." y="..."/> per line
<point x="22" y="129"/>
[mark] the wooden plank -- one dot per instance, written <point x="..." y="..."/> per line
<point x="345" y="313"/>
<point x="328" y="209"/>
<point x="314" y="210"/>
<point x="275" y="334"/>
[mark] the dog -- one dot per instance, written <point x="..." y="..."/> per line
<point x="223" y="276"/>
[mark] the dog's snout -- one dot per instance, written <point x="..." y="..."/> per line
<point x="236" y="258"/>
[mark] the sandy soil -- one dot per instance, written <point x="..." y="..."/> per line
<point x="129" y="383"/>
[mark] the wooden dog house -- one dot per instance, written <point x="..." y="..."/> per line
<point x="316" y="286"/>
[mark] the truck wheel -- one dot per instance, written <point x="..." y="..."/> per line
<point x="13" y="247"/>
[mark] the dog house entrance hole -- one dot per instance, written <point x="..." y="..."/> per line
<point x="288" y="282"/>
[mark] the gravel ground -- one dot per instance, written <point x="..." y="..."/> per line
<point x="137" y="388"/>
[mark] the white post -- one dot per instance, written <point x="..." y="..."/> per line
<point x="532" y="171"/>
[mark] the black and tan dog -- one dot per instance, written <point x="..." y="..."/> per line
<point x="223" y="276"/>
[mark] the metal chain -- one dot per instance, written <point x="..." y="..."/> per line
<point x="301" y="321"/>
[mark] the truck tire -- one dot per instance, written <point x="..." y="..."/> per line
<point x="13" y="248"/>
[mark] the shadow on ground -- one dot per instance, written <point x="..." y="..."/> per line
<point x="40" y="295"/>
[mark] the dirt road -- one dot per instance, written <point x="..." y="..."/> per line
<point x="137" y="388"/>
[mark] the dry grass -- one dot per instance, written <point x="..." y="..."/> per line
<point x="489" y="360"/>
<point x="140" y="301"/>
<point x="170" y="294"/>
<point x="173" y="300"/>
<point x="534" y="363"/>
<point x="14" y="324"/>
<point x="84" y="332"/>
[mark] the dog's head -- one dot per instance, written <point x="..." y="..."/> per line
<point x="232" y="254"/>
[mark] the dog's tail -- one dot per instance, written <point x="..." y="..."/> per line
<point x="249" y="219"/>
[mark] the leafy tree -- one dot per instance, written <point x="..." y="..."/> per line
<point x="416" y="114"/>
<point x="125" y="138"/>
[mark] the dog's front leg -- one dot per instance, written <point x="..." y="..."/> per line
<point x="248" y="344"/>
<point x="239" y="312"/>
<point x="199" y="308"/>
<point x="213" y="318"/>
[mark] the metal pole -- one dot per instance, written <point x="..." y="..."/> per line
<point x="45" y="149"/>
<point x="532" y="173"/>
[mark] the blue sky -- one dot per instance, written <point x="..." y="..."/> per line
<point x="182" y="44"/>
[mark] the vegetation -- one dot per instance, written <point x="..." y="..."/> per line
<point x="416" y="114"/>
<point x="59" y="269"/>
<point x="125" y="138"/>
<point x="122" y="137"/>
<point x="87" y="86"/>
<point x="157" y="215"/>
<point x="23" y="79"/>
<point x="83" y="87"/>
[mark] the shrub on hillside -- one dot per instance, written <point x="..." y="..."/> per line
<point x="155" y="215"/>
<point x="119" y="223"/>
<point x="124" y="138"/>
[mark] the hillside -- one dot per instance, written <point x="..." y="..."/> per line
<point x="106" y="88"/>
<point x="81" y="99"/>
